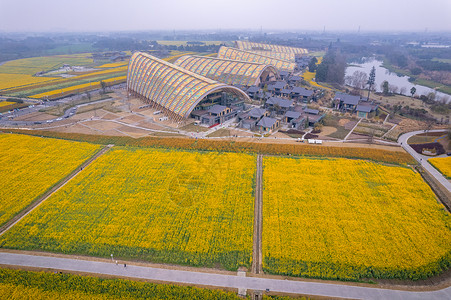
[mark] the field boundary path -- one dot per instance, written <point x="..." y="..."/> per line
<point x="52" y="190"/>
<point x="350" y="132"/>
<point x="258" y="220"/>
<point x="422" y="159"/>
<point x="218" y="280"/>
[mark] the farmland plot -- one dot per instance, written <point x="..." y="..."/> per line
<point x="177" y="207"/>
<point x="349" y="219"/>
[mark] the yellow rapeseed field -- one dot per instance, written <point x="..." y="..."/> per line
<point x="30" y="165"/>
<point x="15" y="80"/>
<point x="18" y="284"/>
<point x="348" y="219"/>
<point x="164" y="206"/>
<point x="114" y="65"/>
<point x="6" y="103"/>
<point x="80" y="87"/>
<point x="443" y="164"/>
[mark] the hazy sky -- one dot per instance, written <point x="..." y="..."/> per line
<point x="115" y="15"/>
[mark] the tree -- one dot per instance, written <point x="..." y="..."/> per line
<point x="413" y="91"/>
<point x="103" y="85"/>
<point x="88" y="95"/>
<point x="371" y="80"/>
<point x="393" y="88"/>
<point x="403" y="90"/>
<point x="385" y="88"/>
<point x="332" y="68"/>
<point x="312" y="64"/>
<point x="357" y="80"/>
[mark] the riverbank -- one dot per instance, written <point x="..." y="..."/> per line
<point x="428" y="83"/>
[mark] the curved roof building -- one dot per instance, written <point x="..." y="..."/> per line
<point x="228" y="71"/>
<point x="169" y="87"/>
<point x="251" y="46"/>
<point x="280" y="55"/>
<point x="248" y="56"/>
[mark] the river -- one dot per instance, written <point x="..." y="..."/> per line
<point x="383" y="74"/>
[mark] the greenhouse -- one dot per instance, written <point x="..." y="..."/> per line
<point x="248" y="56"/>
<point x="171" y="88"/>
<point x="228" y="71"/>
<point x="251" y="46"/>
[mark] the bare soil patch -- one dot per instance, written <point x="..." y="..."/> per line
<point x="132" y="119"/>
<point x="150" y="125"/>
<point x="134" y="132"/>
<point x="35" y="116"/>
<point x="110" y="116"/>
<point x="343" y="122"/>
<point x="99" y="113"/>
<point x="326" y="130"/>
<point x="101" y="125"/>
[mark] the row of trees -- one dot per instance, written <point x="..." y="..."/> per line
<point x="332" y="68"/>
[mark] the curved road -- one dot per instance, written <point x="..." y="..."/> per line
<point x="423" y="159"/>
<point x="218" y="280"/>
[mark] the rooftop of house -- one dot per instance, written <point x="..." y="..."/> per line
<point x="199" y="112"/>
<point x="253" y="89"/>
<point x="257" y="112"/>
<point x="284" y="103"/>
<point x="302" y="91"/>
<point x="311" y="111"/>
<point x="366" y="106"/>
<point x="267" y="122"/>
<point x="283" y="73"/>
<point x="285" y="91"/>
<point x="347" y="99"/>
<point x="292" y="114"/>
<point x="279" y="85"/>
<point x="216" y="109"/>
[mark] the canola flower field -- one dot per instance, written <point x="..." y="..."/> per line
<point x="17" y="77"/>
<point x="79" y="88"/>
<point x="443" y="164"/>
<point x="31" y="165"/>
<point x="178" y="207"/>
<point x="350" y="219"/>
<point x="6" y="103"/>
<point x="16" y="284"/>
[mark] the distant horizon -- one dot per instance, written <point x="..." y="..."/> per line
<point x="282" y="15"/>
<point x="229" y="30"/>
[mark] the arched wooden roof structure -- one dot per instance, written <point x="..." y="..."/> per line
<point x="248" y="56"/>
<point x="175" y="90"/>
<point x="226" y="70"/>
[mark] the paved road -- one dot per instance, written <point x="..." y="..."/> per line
<point x="219" y="280"/>
<point x="422" y="159"/>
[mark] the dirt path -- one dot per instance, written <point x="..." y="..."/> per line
<point x="257" y="251"/>
<point x="49" y="192"/>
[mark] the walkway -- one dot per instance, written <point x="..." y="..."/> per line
<point x="218" y="280"/>
<point x="422" y="159"/>
<point x="350" y="132"/>
<point x="52" y="190"/>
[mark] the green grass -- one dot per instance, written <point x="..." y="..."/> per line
<point x="70" y="49"/>
<point x="220" y="133"/>
<point x="443" y="60"/>
<point x="428" y="83"/>
<point x="44" y="63"/>
<point x="432" y="84"/>
<point x="193" y="128"/>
